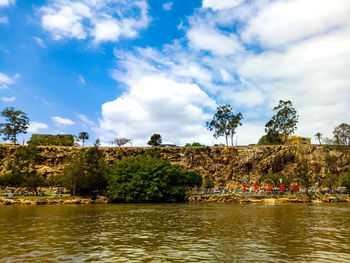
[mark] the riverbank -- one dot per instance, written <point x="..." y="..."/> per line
<point x="226" y="198"/>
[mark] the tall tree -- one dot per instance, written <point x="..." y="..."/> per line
<point x="16" y="123"/>
<point x="318" y="135"/>
<point x="342" y="134"/>
<point x="155" y="140"/>
<point x="121" y="141"/>
<point x="224" y="122"/>
<point x="303" y="174"/>
<point x="284" y="121"/>
<point x="83" y="136"/>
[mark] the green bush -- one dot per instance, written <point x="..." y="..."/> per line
<point x="145" y="178"/>
<point x="345" y="180"/>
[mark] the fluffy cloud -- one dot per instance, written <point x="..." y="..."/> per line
<point x="35" y="126"/>
<point x="221" y="4"/>
<point x="8" y="99"/>
<point x="102" y="20"/>
<point x="6" y="80"/>
<point x="7" y="2"/>
<point x="62" y="121"/>
<point x="168" y="6"/>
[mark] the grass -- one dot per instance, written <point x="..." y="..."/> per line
<point x="47" y="195"/>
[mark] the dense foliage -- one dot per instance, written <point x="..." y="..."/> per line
<point x="344" y="180"/>
<point x="21" y="170"/>
<point x="144" y="178"/>
<point x="342" y="134"/>
<point x="86" y="174"/>
<point x="47" y="140"/>
<point x="302" y="172"/>
<point x="16" y="122"/>
<point x="155" y="140"/>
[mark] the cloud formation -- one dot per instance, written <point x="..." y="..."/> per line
<point x="5" y="80"/>
<point x="8" y="99"/>
<point x="35" y="126"/>
<point x="102" y="21"/>
<point x="62" y="121"/>
<point x="7" y="2"/>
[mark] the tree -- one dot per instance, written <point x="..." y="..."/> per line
<point x="342" y="134"/>
<point x="16" y="123"/>
<point x="284" y="121"/>
<point x="224" y="122"/>
<point x="144" y="178"/>
<point x="97" y="143"/>
<point x="194" y="144"/>
<point x="121" y="141"/>
<point x="318" y="135"/>
<point x="303" y="174"/>
<point x="22" y="172"/>
<point x="272" y="137"/>
<point x="208" y="184"/>
<point x="83" y="136"/>
<point x="344" y="180"/>
<point x="86" y="174"/>
<point x="330" y="180"/>
<point x="155" y="140"/>
<point x="193" y="180"/>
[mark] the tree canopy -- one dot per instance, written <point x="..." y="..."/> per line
<point x="121" y="141"/>
<point x="284" y="121"/>
<point x="16" y="122"/>
<point x="83" y="136"/>
<point x="224" y="123"/>
<point x="342" y="134"/>
<point x="155" y="140"/>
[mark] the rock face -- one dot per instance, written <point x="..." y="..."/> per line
<point x="226" y="166"/>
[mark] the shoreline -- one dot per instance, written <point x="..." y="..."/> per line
<point x="190" y="199"/>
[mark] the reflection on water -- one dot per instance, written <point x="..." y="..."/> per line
<point x="175" y="232"/>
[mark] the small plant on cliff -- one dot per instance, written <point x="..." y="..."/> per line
<point x="330" y="181"/>
<point x="16" y="123"/>
<point x="208" y="184"/>
<point x="86" y="173"/>
<point x="144" y="178"/>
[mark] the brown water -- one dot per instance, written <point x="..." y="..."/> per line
<point x="175" y="233"/>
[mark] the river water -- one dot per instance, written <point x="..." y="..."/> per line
<point x="175" y="233"/>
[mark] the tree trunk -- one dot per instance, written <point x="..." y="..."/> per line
<point x="226" y="140"/>
<point x="319" y="139"/>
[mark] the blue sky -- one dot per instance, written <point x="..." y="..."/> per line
<point x="117" y="68"/>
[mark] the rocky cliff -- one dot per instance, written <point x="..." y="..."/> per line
<point x="226" y="166"/>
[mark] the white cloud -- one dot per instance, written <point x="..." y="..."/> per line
<point x="168" y="6"/>
<point x="281" y="22"/>
<point x="4" y="20"/>
<point x="62" y="121"/>
<point x="102" y="20"/>
<point x="85" y="119"/>
<point x="221" y="4"/>
<point x="7" y="2"/>
<point x="214" y="41"/>
<point x="81" y="79"/>
<point x="6" y="80"/>
<point x="35" y="126"/>
<point x="8" y="99"/>
<point x="39" y="41"/>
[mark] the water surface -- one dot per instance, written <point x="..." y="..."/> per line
<point x="175" y="233"/>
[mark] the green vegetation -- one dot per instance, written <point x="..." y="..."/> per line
<point x="194" y="144"/>
<point x="47" y="140"/>
<point x="86" y="174"/>
<point x="342" y="134"/>
<point x="275" y="178"/>
<point x="121" y="141"/>
<point x="302" y="173"/>
<point x="145" y="178"/>
<point x="330" y="180"/>
<point x="83" y="136"/>
<point x="318" y="135"/>
<point x="344" y="180"/>
<point x="224" y="123"/>
<point x="155" y="140"/>
<point x="16" y="123"/>
<point x="208" y="184"/>
<point x="283" y="123"/>
<point x="22" y="172"/>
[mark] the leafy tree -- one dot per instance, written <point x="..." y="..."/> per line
<point x="155" y="140"/>
<point x="83" y="136"/>
<point x="86" y="174"/>
<point x="284" y="121"/>
<point x="318" y="135"/>
<point x="121" y="141"/>
<point x="303" y="174"/>
<point x="224" y="122"/>
<point x="61" y="139"/>
<point x="21" y="170"/>
<point x="193" y="180"/>
<point x="342" y="134"/>
<point x="97" y="143"/>
<point x="16" y="123"/>
<point x="194" y="144"/>
<point x="208" y="184"/>
<point x="275" y="178"/>
<point x="330" y="180"/>
<point x="272" y="137"/>
<point x="344" y="180"/>
<point x="144" y="178"/>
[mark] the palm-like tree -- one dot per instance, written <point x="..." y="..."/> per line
<point x="318" y="135"/>
<point x="83" y="136"/>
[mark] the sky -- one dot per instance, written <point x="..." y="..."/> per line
<point x="132" y="68"/>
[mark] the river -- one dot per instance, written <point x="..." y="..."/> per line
<point x="175" y="233"/>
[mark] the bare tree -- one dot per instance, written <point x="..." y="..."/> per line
<point x="120" y="141"/>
